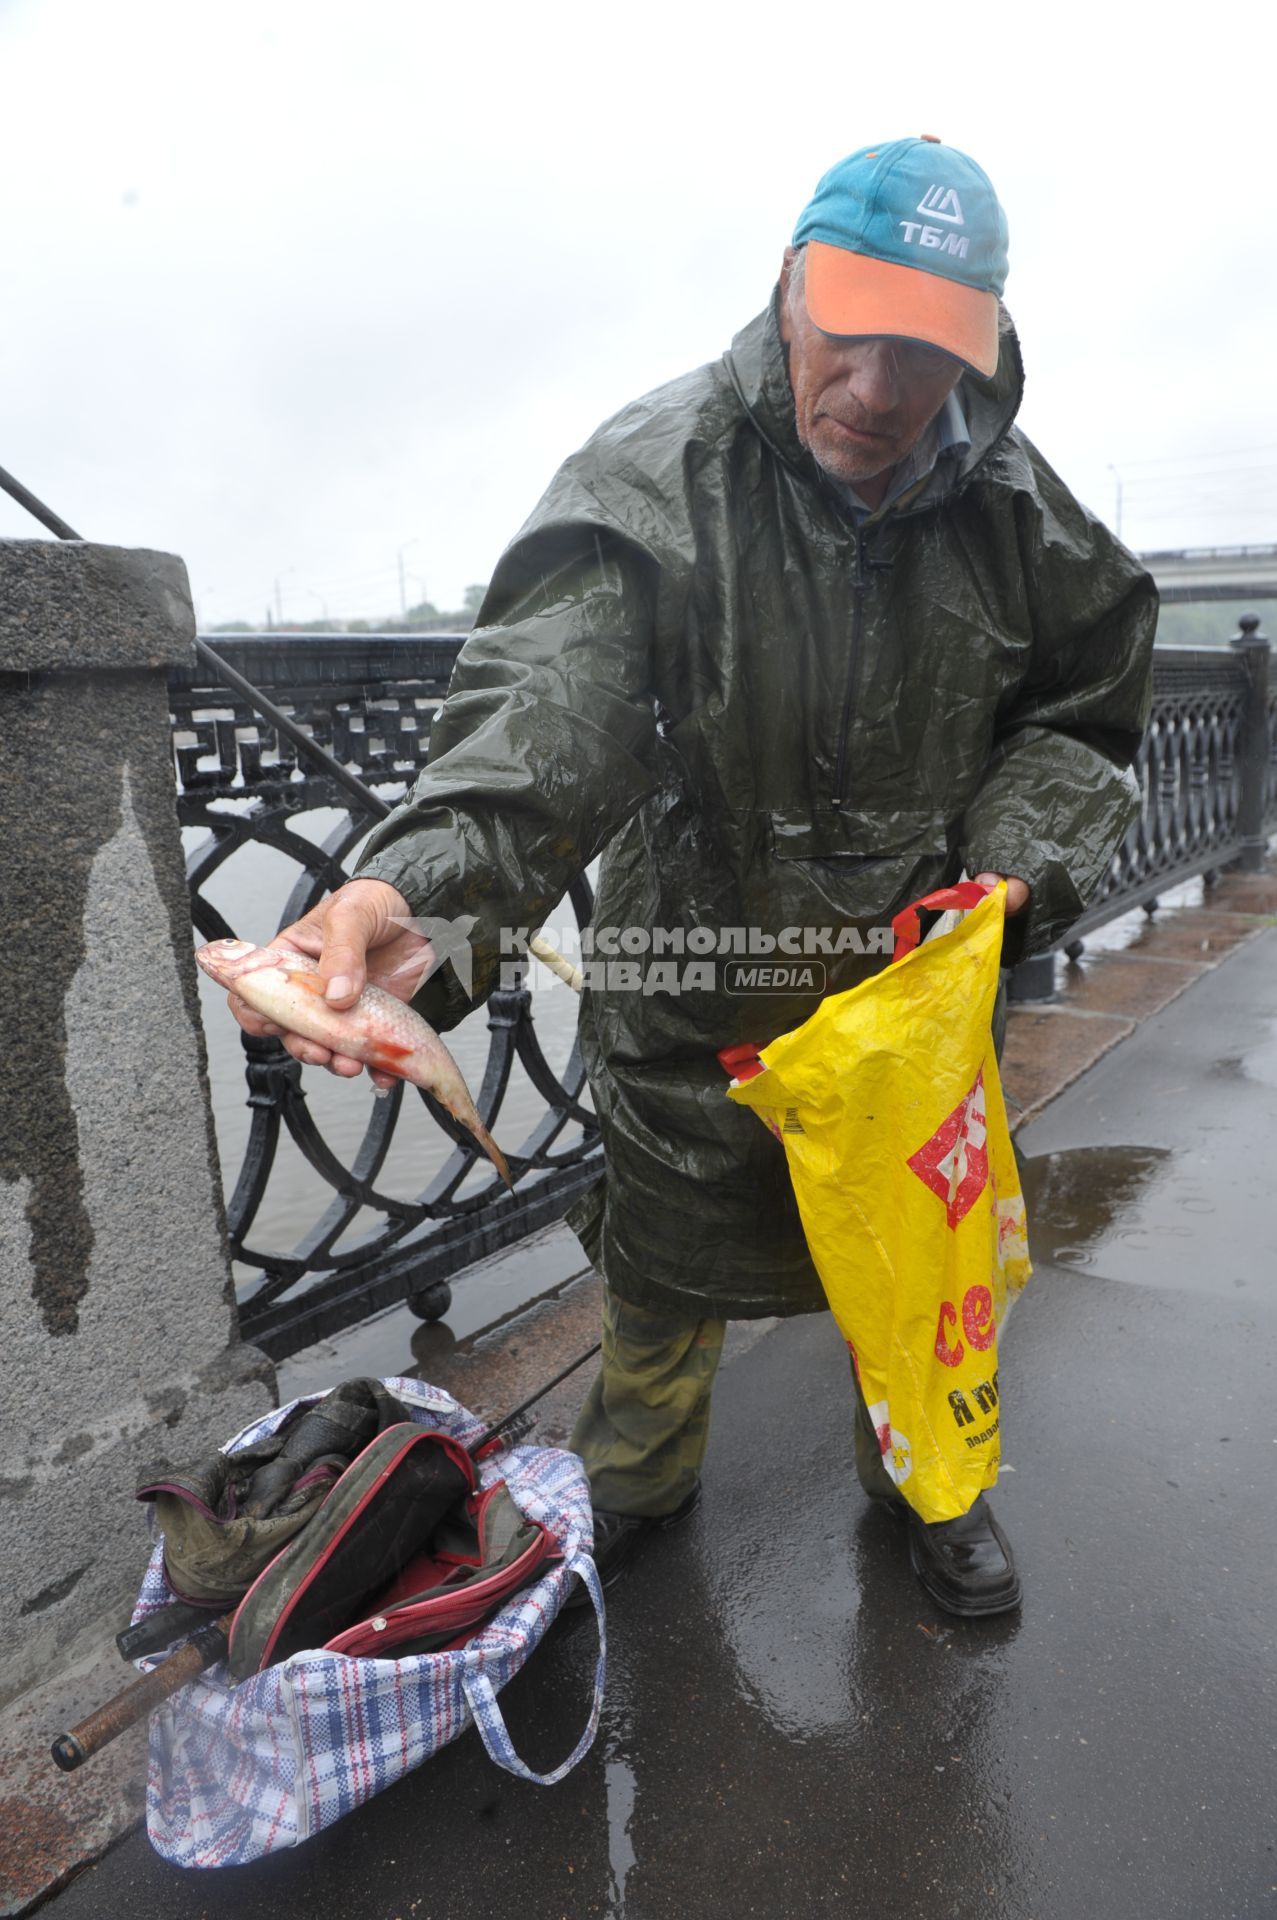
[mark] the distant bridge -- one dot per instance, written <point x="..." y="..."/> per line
<point x="1215" y="573"/>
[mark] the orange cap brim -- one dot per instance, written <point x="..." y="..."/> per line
<point x="850" y="293"/>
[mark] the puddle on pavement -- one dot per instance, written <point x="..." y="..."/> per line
<point x="1151" y="1217"/>
<point x="1079" y="1198"/>
<point x="1259" y="1063"/>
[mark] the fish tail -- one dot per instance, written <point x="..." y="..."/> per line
<point x="450" y="1091"/>
<point x="468" y="1116"/>
<point x="492" y="1150"/>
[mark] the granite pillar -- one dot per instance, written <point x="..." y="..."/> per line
<point x="117" y="1322"/>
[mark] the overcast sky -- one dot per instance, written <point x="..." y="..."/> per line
<point x="295" y="289"/>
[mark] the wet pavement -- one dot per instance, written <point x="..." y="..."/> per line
<point x="792" y="1729"/>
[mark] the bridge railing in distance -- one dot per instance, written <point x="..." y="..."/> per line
<point x="1192" y="575"/>
<point x="1208" y="772"/>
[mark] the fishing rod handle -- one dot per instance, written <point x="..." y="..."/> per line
<point x="207" y="1645"/>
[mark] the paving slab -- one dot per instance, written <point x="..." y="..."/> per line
<point x="1049" y="1047"/>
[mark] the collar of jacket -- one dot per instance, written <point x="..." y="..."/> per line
<point x="757" y="366"/>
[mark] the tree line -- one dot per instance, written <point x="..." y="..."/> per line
<point x="425" y="617"/>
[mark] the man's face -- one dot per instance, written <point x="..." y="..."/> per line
<point x="860" y="404"/>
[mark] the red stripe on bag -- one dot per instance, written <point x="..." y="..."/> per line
<point x="907" y="927"/>
<point x="741" y="1062"/>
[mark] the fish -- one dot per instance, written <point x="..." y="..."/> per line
<point x="284" y="987"/>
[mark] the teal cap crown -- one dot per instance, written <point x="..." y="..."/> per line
<point x="915" y="203"/>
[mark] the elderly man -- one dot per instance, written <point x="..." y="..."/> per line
<point x="788" y="642"/>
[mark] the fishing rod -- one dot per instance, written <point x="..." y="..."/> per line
<point x="331" y="765"/>
<point x="304" y="742"/>
<point x="45" y="515"/>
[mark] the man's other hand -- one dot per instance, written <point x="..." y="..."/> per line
<point x="1017" y="890"/>
<point x="358" y="937"/>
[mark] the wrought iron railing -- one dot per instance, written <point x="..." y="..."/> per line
<point x="1208" y="767"/>
<point x="370" y="699"/>
<point x="1208" y="777"/>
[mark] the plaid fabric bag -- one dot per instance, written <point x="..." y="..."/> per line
<point x="237" y="1772"/>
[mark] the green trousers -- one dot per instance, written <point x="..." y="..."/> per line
<point x="643" y="1430"/>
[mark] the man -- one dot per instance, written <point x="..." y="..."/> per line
<point x="790" y="642"/>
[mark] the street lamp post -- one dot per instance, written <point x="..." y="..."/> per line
<point x="279" y="604"/>
<point x="403" y="592"/>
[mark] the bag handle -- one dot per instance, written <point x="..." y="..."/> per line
<point x="482" y="1696"/>
<point x="741" y="1061"/>
<point x="908" y="928"/>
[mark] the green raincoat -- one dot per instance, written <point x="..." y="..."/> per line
<point x="765" y="717"/>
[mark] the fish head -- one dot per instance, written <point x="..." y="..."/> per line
<point x="225" y="960"/>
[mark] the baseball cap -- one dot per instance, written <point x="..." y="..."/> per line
<point x="907" y="238"/>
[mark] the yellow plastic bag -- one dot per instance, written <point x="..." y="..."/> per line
<point x="889" y="1107"/>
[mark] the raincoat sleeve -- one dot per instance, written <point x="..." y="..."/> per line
<point x="1060" y="791"/>
<point x="543" y="749"/>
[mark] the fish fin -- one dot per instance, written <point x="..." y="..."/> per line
<point x="388" y="1059"/>
<point x="310" y="981"/>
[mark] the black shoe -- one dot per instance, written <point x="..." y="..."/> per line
<point x="618" y="1536"/>
<point x="964" y="1564"/>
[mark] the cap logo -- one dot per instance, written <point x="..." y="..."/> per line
<point x="942" y="203"/>
<point x="917" y="234"/>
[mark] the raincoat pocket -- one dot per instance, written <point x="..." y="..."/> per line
<point x="850" y="838"/>
<point x="889" y="1108"/>
<point x="850" y="863"/>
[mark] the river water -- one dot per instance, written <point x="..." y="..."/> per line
<point x="251" y="890"/>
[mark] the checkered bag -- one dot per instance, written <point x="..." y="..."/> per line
<point x="237" y="1772"/>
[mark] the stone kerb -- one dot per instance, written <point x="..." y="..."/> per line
<point x="116" y="1310"/>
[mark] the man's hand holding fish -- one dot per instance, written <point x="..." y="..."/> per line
<point x="360" y="936"/>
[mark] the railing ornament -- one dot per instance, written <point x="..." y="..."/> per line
<point x="244" y="785"/>
<point x="273" y="1076"/>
